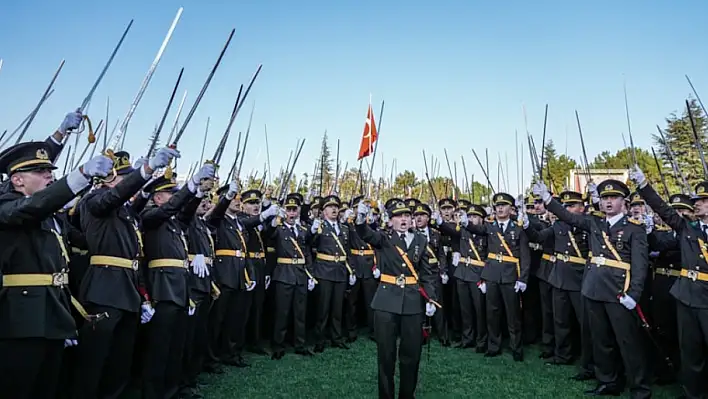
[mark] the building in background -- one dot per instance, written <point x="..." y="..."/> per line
<point x="578" y="179"/>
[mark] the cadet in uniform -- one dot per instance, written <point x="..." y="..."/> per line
<point x="291" y="277"/>
<point x="398" y="308"/>
<point x="613" y="282"/>
<point x="691" y="288"/>
<point x="505" y="274"/>
<point x="438" y="261"/>
<point x="35" y="320"/>
<point x="332" y="270"/>
<point x="200" y="245"/>
<point x="363" y="259"/>
<point x="473" y="253"/>
<point x="166" y="256"/>
<point x="112" y="284"/>
<point x="255" y="245"/>
<point x="539" y="221"/>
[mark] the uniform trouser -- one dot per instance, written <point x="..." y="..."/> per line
<point x="502" y="297"/>
<point x="439" y="322"/>
<point x="450" y="304"/>
<point x="255" y="318"/>
<point x="30" y="367"/>
<point x="162" y="367"/>
<point x="567" y="306"/>
<point x="587" y="363"/>
<point x="289" y="298"/>
<point x="474" y="314"/>
<point x="664" y="311"/>
<point x="547" y="334"/>
<point x="361" y="293"/>
<point x="105" y="354"/>
<point x="196" y="343"/>
<point x="227" y="323"/>
<point x="614" y="326"/>
<point x="531" y="312"/>
<point x="388" y="327"/>
<point x="330" y="304"/>
<point x="693" y="339"/>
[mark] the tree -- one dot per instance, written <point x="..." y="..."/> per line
<point x="556" y="168"/>
<point x="682" y="142"/>
<point x="622" y="159"/>
<point x="324" y="173"/>
<point x="405" y="183"/>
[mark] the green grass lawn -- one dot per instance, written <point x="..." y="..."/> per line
<point x="448" y="373"/>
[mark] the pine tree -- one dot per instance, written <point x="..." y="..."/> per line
<point x="323" y="179"/>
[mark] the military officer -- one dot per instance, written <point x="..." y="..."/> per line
<point x="35" y="320"/>
<point x="112" y="283"/>
<point x="406" y="274"/>
<point x="330" y="240"/>
<point x="291" y="277"/>
<point x="691" y="287"/>
<point x="255" y="244"/>
<point x="613" y="283"/>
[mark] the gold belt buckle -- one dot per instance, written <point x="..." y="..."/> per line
<point x="499" y="257"/>
<point x="238" y="253"/>
<point x="186" y="263"/>
<point x="135" y="264"/>
<point x="361" y="252"/>
<point x="59" y="279"/>
<point x="693" y="275"/>
<point x="401" y="281"/>
<point x="600" y="261"/>
<point x="294" y="261"/>
<point x="563" y="257"/>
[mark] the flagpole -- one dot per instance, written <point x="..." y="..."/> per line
<point x="376" y="146"/>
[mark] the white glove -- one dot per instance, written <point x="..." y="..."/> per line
<point x="348" y="214"/>
<point x="207" y="171"/>
<point x="71" y="121"/>
<point x="648" y="223"/>
<point x="70" y="342"/>
<point x="525" y="220"/>
<point x="455" y="258"/>
<point x="482" y="287"/>
<point x="283" y="215"/>
<point x="146" y="312"/>
<point x="520" y="286"/>
<point x="250" y="287"/>
<point x="637" y="176"/>
<point x="429" y="309"/>
<point x="437" y="218"/>
<point x="310" y="284"/>
<point x="191" y="311"/>
<point x="540" y="190"/>
<point x="309" y="196"/>
<point x="444" y="277"/>
<point x="162" y="158"/>
<point x="199" y="266"/>
<point x="519" y="203"/>
<point x="233" y="190"/>
<point x="628" y="302"/>
<point x="98" y="166"/>
<point x="377" y="273"/>
<point x="464" y="220"/>
<point x="271" y="211"/>
<point x="594" y="195"/>
<point x="267" y="282"/>
<point x="362" y="211"/>
<point x="140" y="162"/>
<point x="315" y="226"/>
<point x="352" y="279"/>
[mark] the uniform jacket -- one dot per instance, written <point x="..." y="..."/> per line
<point x="323" y="242"/>
<point x="284" y="241"/>
<point x="498" y="270"/>
<point x="472" y="249"/>
<point x="605" y="283"/>
<point x="564" y="274"/>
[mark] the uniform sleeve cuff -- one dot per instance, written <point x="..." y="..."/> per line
<point x="144" y="173"/>
<point x="76" y="181"/>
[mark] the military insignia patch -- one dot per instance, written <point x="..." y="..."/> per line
<point x="609" y="187"/>
<point x="701" y="189"/>
<point x="677" y="199"/>
<point x="42" y="154"/>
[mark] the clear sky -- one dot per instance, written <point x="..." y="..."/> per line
<point x="454" y="74"/>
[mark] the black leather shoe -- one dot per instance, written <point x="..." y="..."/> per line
<point x="351" y="339"/>
<point x="464" y="345"/>
<point x="257" y="350"/>
<point x="492" y="354"/>
<point x="545" y="355"/>
<point x="518" y="356"/>
<point x="319" y="348"/>
<point x="481" y="349"/>
<point x="304" y="352"/>
<point x="340" y="345"/>
<point x="445" y="342"/>
<point x="604" y="390"/>
<point x="237" y="361"/>
<point x="213" y="368"/>
<point x="557" y="362"/>
<point x="583" y="376"/>
<point x="277" y="355"/>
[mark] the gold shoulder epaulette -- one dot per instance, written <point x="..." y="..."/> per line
<point x="661" y="227"/>
<point x="635" y="221"/>
<point x="490" y="219"/>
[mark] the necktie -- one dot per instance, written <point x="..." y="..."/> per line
<point x="609" y="226"/>
<point x="705" y="232"/>
<point x="294" y="232"/>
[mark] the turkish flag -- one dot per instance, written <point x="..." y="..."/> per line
<point x="370" y="135"/>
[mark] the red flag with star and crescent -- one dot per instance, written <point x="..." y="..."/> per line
<point x="370" y="135"/>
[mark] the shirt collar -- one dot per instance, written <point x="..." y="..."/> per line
<point x="614" y="219"/>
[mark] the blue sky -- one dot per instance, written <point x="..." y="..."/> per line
<point x="453" y="75"/>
